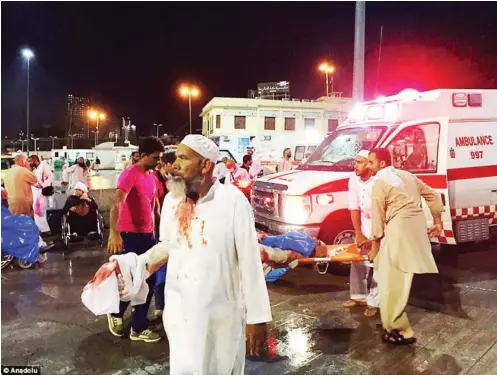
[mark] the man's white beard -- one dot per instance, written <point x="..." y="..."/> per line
<point x="177" y="188"/>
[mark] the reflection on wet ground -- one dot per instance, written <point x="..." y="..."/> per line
<point x="454" y="315"/>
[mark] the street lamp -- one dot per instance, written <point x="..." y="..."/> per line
<point x="34" y="139"/>
<point x="28" y="55"/>
<point x="157" y="126"/>
<point x="327" y="69"/>
<point x="53" y="141"/>
<point x="95" y="115"/>
<point x="189" y="91"/>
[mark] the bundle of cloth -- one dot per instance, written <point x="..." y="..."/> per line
<point x="123" y="277"/>
<point x="20" y="236"/>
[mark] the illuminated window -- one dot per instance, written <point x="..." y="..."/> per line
<point x="218" y="121"/>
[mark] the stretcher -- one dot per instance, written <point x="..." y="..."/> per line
<point x="325" y="254"/>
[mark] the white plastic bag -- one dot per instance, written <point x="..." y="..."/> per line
<point x="101" y="294"/>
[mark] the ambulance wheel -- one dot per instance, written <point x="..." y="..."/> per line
<point x="338" y="230"/>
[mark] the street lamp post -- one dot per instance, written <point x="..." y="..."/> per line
<point x="328" y="70"/>
<point x="53" y="141"/>
<point x="34" y="139"/>
<point x="190" y="91"/>
<point x="94" y="115"/>
<point x="28" y="55"/>
<point x="157" y="126"/>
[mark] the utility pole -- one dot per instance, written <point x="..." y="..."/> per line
<point x="359" y="41"/>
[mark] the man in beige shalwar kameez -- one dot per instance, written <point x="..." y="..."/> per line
<point x="400" y="224"/>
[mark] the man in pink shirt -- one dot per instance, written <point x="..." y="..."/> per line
<point x="132" y="230"/>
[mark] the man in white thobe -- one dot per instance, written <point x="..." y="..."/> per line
<point x="360" y="198"/>
<point x="256" y="166"/>
<point x="221" y="171"/>
<point x="236" y="174"/>
<point x="44" y="175"/>
<point x="78" y="173"/>
<point x="215" y="295"/>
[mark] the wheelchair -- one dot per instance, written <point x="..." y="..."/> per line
<point x="69" y="238"/>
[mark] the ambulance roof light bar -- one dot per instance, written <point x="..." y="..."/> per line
<point x="462" y="99"/>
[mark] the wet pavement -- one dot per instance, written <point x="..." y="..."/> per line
<point x="454" y="314"/>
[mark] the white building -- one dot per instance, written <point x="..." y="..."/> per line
<point x="238" y="116"/>
<point x="236" y="123"/>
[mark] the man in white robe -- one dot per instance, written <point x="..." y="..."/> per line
<point x="256" y="166"/>
<point x="77" y="172"/>
<point x="360" y="198"/>
<point x="44" y="175"/>
<point x="215" y="296"/>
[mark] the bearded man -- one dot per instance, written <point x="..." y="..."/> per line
<point x="215" y="295"/>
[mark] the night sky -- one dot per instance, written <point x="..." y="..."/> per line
<point x="131" y="57"/>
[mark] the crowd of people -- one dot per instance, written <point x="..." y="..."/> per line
<point x="216" y="301"/>
<point x="189" y="209"/>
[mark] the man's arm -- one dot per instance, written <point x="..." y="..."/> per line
<point x="115" y="244"/>
<point x="30" y="178"/>
<point x="355" y="212"/>
<point x="253" y="284"/>
<point x="378" y="213"/>
<point x="435" y="204"/>
<point x="67" y="172"/>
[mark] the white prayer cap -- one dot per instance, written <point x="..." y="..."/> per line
<point x="363" y="154"/>
<point x="81" y="186"/>
<point x="202" y="146"/>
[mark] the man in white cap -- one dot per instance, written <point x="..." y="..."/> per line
<point x="216" y="300"/>
<point x="360" y="197"/>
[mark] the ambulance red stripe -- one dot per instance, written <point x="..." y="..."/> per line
<point x="469" y="173"/>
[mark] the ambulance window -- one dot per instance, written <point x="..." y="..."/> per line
<point x="299" y="153"/>
<point x="311" y="149"/>
<point x="415" y="148"/>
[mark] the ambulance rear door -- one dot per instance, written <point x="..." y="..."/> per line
<point x="420" y="147"/>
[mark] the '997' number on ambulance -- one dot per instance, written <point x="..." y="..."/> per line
<point x="476" y="154"/>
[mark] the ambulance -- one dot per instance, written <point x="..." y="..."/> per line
<point x="448" y="138"/>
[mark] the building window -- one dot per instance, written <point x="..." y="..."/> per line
<point x="415" y="149"/>
<point x="289" y="123"/>
<point x="309" y="122"/>
<point x="218" y="121"/>
<point x="239" y="122"/>
<point x="269" y="123"/>
<point x="332" y="124"/>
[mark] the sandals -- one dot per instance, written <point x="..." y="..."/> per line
<point x="396" y="338"/>
<point x="353" y="303"/>
<point x="370" y="312"/>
